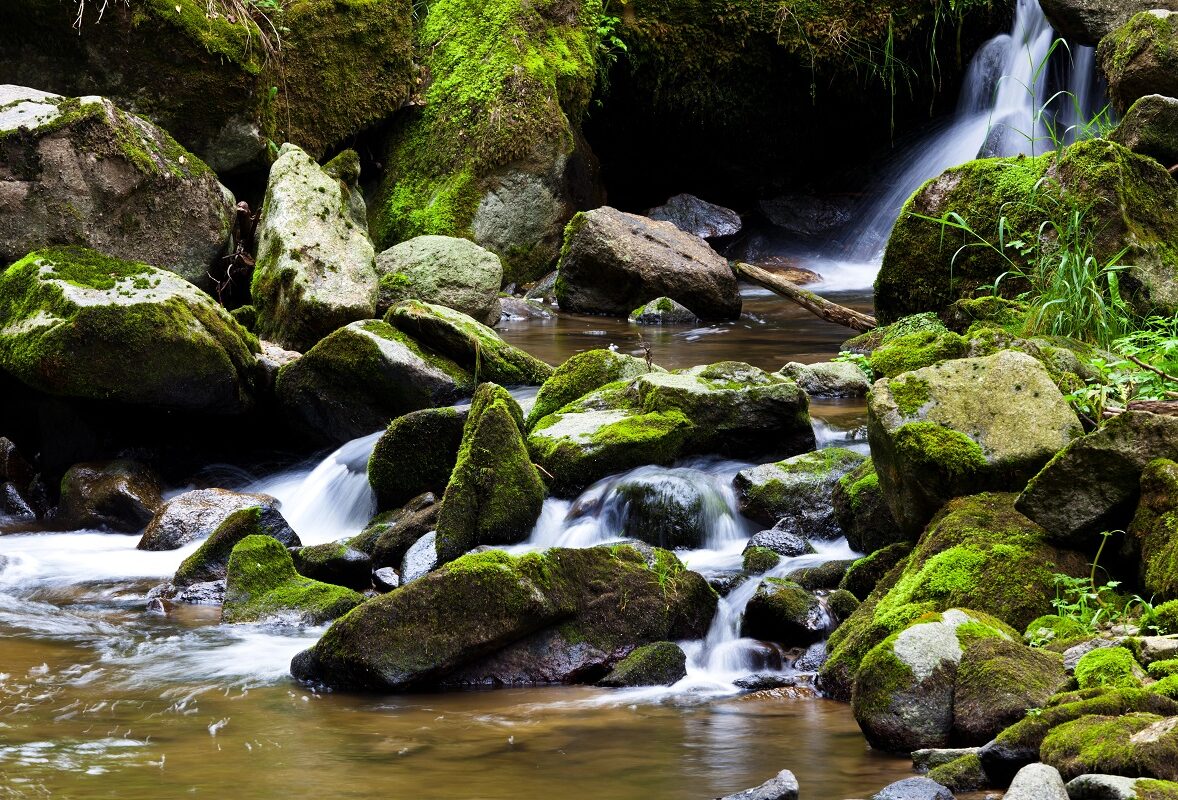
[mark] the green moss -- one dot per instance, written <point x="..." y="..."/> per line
<point x="910" y="394"/>
<point x="1027" y="735"/>
<point x="580" y="375"/>
<point x="1111" y="667"/>
<point x="1163" y="669"/>
<point x="962" y="774"/>
<point x="841" y="604"/>
<point x="865" y="574"/>
<point x="782" y="611"/>
<point x="758" y="560"/>
<point x="1149" y="789"/>
<point x="415" y="454"/>
<point x="211" y="558"/>
<point x="1138" y="744"/>
<point x="825" y="576"/>
<point x="915" y="350"/>
<point x="262" y="584"/>
<point x="861" y="482"/>
<point x="889" y="675"/>
<point x="953" y="453"/>
<point x="1144" y="36"/>
<point x="1052" y="628"/>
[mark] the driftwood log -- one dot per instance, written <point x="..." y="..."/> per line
<point x="819" y="306"/>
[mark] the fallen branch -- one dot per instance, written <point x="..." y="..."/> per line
<point x="819" y="306"/>
<point x="1153" y="369"/>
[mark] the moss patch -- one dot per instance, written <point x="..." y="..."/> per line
<point x="261" y="584"/>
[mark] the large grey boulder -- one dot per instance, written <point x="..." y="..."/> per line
<point x="698" y="217"/>
<point x="1093" y="484"/>
<point x="963" y="426"/>
<point x="1150" y="127"/>
<point x="782" y="786"/>
<point x="316" y="265"/>
<point x="1037" y="782"/>
<point x="197" y="514"/>
<point x="613" y="262"/>
<point x="795" y="494"/>
<point x="1086" y="22"/>
<point x="76" y="323"/>
<point x="81" y="171"/>
<point x="445" y="271"/>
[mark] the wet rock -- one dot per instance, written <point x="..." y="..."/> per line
<point x="1094" y="483"/>
<point x="782" y="611"/>
<point x="825" y="576"/>
<point x="1038" y="782"/>
<point x="261" y="585"/>
<point x="784" y="786"/>
<point x="495" y="494"/>
<point x="807" y="215"/>
<point x="698" y="217"/>
<point x="612" y="262"/>
<point x="658" y="664"/>
<point x="415" y="454"/>
<point x="12" y="504"/>
<point x="828" y="378"/>
<point x="669" y="508"/>
<point x="211" y="559"/>
<point x="914" y="789"/>
<point x="861" y="510"/>
<point x="953" y="429"/>
<point x="1150" y="127"/>
<point x="196" y="514"/>
<point x="1086" y="22"/>
<point x="22" y="491"/>
<point x="161" y="598"/>
<point x="1102" y="787"/>
<point x="271" y="359"/>
<point x="581" y="374"/>
<point x="390" y="535"/>
<point x="963" y="774"/>
<point x="544" y="290"/>
<point x="930" y="757"/>
<point x="663" y="311"/>
<point x="442" y="270"/>
<point x="784" y="543"/>
<point x="469" y="343"/>
<point x="362" y="376"/>
<point x="82" y="171"/>
<point x="813" y="659"/>
<point x="335" y="563"/>
<point x="420" y="559"/>
<point x="997" y="681"/>
<point x="82" y="324"/>
<point x="796" y="491"/>
<point x="315" y="269"/>
<point x="1140" y="744"/>
<point x="724" y="582"/>
<point x="119" y="495"/>
<point x="385" y="579"/>
<point x="1138" y="59"/>
<point x="515" y="308"/>
<point x="865" y="574"/>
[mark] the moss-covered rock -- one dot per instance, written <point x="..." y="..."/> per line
<point x="997" y="681"/>
<point x="315" y="270"/>
<point x="915" y="350"/>
<point x="1109" y="667"/>
<point x="1148" y="128"/>
<point x="828" y="378"/>
<point x="492" y="151"/>
<point x="797" y="489"/>
<point x="758" y="560"/>
<point x="205" y="74"/>
<point x="1053" y="628"/>
<point x="977" y="553"/>
<point x="582" y="374"/>
<point x="962" y="774"/>
<point x="826" y="576"/>
<point x="495" y="494"/>
<point x="489" y="618"/>
<point x="443" y="270"/>
<point x="362" y="376"/>
<point x="1134" y="745"/>
<point x="658" y="664"/>
<point x="1139" y="58"/>
<point x="865" y="574"/>
<point x="335" y="563"/>
<point x="415" y="454"/>
<point x="120" y="495"/>
<point x="663" y="311"/>
<point x="1154" y="531"/>
<point x="261" y="585"/>
<point x="93" y="175"/>
<point x="80" y="324"/>
<point x="903" y="692"/>
<point x="954" y="428"/>
<point x="469" y="343"/>
<point x="388" y="537"/>
<point x="782" y="611"/>
<point x="211" y="559"/>
<point x="195" y="515"/>
<point x="861" y="511"/>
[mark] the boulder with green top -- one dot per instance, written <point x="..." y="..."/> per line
<point x="362" y="376"/>
<point x="582" y="374"/>
<point x="1086" y="22"/>
<point x="197" y="514"/>
<point x="797" y="489"/>
<point x="79" y="324"/>
<point x="612" y="262"/>
<point x="880" y="336"/>
<point x="1138" y="57"/>
<point x="415" y="454"/>
<point x="1053" y="628"/>
<point x="492" y="150"/>
<point x="1136" y="745"/>
<point x="915" y="350"/>
<point x="671" y="508"/>
<point x="82" y="171"/>
<point x="903" y="692"/>
<point x="1154" y="530"/>
<point x="211" y="559"/>
<point x="1150" y="127"/>
<point x="663" y="311"/>
<point x="1093" y="485"/>
<point x="444" y="270"/>
<point x="962" y="774"/>
<point x="495" y="493"/>
<point x="828" y="378"/>
<point x="861" y="511"/>
<point x="1109" y="668"/>
<point x="865" y="574"/>
<point x="315" y="270"/>
<point x="335" y="563"/>
<point x="997" y="681"/>
<point x="120" y="495"/>
<point x="469" y="343"/>
<point x="262" y="585"/>
<point x="566" y="615"/>
<point x="658" y="664"/>
<point x="782" y="611"/>
<point x="389" y="536"/>
<point x="960" y="426"/>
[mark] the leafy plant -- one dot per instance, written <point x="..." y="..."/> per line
<point x="609" y="44"/>
<point x="1093" y="605"/>
<point x="859" y="360"/>
<point x="1141" y="365"/>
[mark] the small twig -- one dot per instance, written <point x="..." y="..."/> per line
<point x="1153" y="369"/>
<point x="551" y="477"/>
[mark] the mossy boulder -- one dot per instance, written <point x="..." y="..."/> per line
<point x="728" y="408"/>
<point x="757" y="560"/>
<point x="915" y="350"/>
<point x="335" y="563"/>
<point x="492" y="151"/>
<point x="882" y="335"/>
<point x="964" y="425"/>
<point x="977" y="553"/>
<point x="663" y="311"/>
<point x="782" y="611"/>
<point x="1150" y="127"/>
<point x="903" y="692"/>
<point x="120" y="495"/>
<point x="672" y="509"/>
<point x="1086" y="22"/>
<point x="388" y="537"/>
<point x="197" y="514"/>
<point x="612" y="262"/>
<point x="207" y="75"/>
<point x="1139" y="58"/>
<point x="84" y="172"/>
<point x="489" y="618"/>
<point x="861" y="511"/>
<point x="1053" y="628"/>
<point x="1109" y="668"/>
<point x="962" y="774"/>
<point x="865" y="574"/>
<point x="211" y="559"/>
<point x="1132" y="202"/>
<point x="1134" y="745"/>
<point x="469" y="343"/>
<point x="997" y="681"/>
<point x="80" y="324"/>
<point x="1093" y="484"/>
<point x="315" y="270"/>
<point x="658" y="664"/>
<point x="828" y="378"/>
<point x="582" y="374"/>
<point x="362" y="376"/>
<point x="825" y="576"/>
<point x="1154" y="530"/>
<point x="495" y="493"/>
<point x="415" y="454"/>
<point x="444" y="270"/>
<point x="797" y="489"/>
<point x="261" y="585"/>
